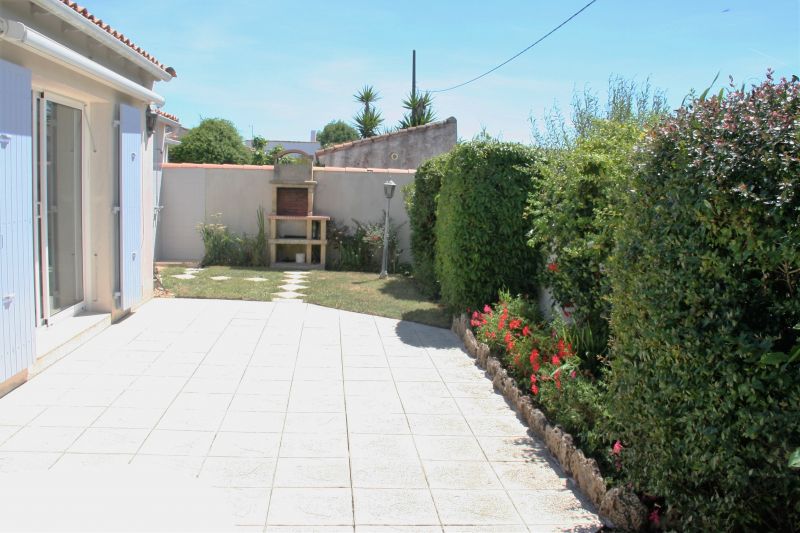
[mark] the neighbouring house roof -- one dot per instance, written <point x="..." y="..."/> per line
<point x="65" y="5"/>
<point x="385" y="136"/>
<point x="167" y="116"/>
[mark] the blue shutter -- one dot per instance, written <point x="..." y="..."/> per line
<point x="130" y="175"/>
<point x="17" y="304"/>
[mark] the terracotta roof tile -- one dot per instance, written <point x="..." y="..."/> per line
<point x="119" y="36"/>
<point x="168" y="115"/>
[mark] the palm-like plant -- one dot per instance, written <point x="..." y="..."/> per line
<point x="368" y="119"/>
<point x="420" y="109"/>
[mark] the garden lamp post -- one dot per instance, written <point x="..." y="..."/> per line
<point x="388" y="191"/>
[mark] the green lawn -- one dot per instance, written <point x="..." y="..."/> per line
<point x="394" y="297"/>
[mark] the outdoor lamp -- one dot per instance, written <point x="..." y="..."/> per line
<point x="388" y="191"/>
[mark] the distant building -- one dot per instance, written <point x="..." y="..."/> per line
<point x="309" y="147"/>
<point x="404" y="149"/>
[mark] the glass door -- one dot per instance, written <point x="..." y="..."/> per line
<point x="59" y="207"/>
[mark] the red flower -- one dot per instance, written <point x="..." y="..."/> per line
<point x="552" y="267"/>
<point x="535" y="359"/>
<point x="515" y="324"/>
<point x="555" y="360"/>
<point x="534" y="387"/>
<point x="573" y="374"/>
<point x="526" y="331"/>
<point x="617" y="448"/>
<point x="557" y="377"/>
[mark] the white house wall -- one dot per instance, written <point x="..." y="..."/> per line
<point x="100" y="154"/>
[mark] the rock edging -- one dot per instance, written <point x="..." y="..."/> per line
<point x="618" y="505"/>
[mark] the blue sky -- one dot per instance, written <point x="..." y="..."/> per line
<point x="283" y="70"/>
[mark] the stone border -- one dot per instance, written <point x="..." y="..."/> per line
<point x="622" y="507"/>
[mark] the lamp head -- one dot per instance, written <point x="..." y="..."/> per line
<point x="388" y="188"/>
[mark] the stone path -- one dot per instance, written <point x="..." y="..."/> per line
<point x="274" y="416"/>
<point x="293" y="281"/>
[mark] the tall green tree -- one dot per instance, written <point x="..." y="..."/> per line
<point x="420" y="110"/>
<point x="336" y="132"/>
<point x="368" y="120"/>
<point x="214" y="140"/>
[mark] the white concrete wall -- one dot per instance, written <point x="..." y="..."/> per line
<point x="193" y="194"/>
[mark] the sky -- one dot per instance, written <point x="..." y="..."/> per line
<point x="279" y="70"/>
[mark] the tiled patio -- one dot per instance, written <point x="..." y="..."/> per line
<point x="297" y="416"/>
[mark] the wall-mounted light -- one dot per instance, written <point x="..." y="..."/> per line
<point x="150" y="118"/>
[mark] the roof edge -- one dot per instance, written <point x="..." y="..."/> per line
<point x="76" y="15"/>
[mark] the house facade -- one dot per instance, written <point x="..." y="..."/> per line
<point x="80" y="152"/>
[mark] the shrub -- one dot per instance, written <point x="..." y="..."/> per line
<point x="361" y="249"/>
<point x="221" y="247"/>
<point x="336" y="132"/>
<point x="705" y="281"/>
<point x="573" y="212"/>
<point x="480" y="230"/>
<point x="420" y="199"/>
<point x="225" y="248"/>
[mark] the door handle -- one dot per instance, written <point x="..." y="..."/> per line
<point x="8" y="299"/>
<point x="4" y="139"/>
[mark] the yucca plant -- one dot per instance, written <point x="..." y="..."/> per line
<point x="368" y="120"/>
<point x="420" y="107"/>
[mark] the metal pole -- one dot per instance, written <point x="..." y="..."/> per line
<point x="384" y="263"/>
<point x="413" y="72"/>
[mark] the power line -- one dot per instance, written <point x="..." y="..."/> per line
<point x="512" y="58"/>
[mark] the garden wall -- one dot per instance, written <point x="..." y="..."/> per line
<point x="192" y="194"/>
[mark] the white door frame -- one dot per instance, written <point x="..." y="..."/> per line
<point x="40" y="98"/>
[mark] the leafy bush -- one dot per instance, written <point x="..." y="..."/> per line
<point x="361" y="249"/>
<point x="214" y="140"/>
<point x="336" y="132"/>
<point x="544" y="361"/>
<point x="480" y="229"/>
<point x="420" y="199"/>
<point x="228" y="249"/>
<point x="573" y="212"/>
<point x="705" y="279"/>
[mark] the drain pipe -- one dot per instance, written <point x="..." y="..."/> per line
<point x="17" y="33"/>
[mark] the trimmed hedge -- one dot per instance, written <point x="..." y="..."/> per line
<point x="421" y="205"/>
<point x="481" y="232"/>
<point x="573" y="214"/>
<point x="705" y="299"/>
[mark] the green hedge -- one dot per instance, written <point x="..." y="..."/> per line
<point x="573" y="214"/>
<point x="421" y="204"/>
<point x="481" y="233"/>
<point x="705" y="300"/>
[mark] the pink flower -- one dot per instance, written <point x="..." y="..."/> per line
<point x="573" y="374"/>
<point x="487" y="309"/>
<point x="617" y="448"/>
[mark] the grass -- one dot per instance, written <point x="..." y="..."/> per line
<point x="361" y="292"/>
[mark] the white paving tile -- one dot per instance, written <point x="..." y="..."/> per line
<point x="301" y="418"/>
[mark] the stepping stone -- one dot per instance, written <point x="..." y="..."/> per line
<point x="292" y="287"/>
<point x="193" y="270"/>
<point x="219" y="278"/>
<point x="256" y="279"/>
<point x="295" y="274"/>
<point x="287" y="300"/>
<point x="288" y="294"/>
<point x="183" y="276"/>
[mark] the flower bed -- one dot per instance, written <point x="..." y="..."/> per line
<point x="618" y="505"/>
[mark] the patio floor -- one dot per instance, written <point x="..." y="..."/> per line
<point x="297" y="417"/>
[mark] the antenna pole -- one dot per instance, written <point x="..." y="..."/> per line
<point x="413" y="73"/>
